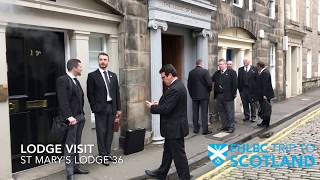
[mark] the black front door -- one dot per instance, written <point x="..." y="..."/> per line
<point x="35" y="59"/>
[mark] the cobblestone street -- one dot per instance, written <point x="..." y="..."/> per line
<point x="305" y="132"/>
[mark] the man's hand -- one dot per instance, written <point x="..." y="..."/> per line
<point x="72" y="120"/>
<point x="264" y="97"/>
<point x="153" y="103"/>
<point x="149" y="104"/>
<point x="118" y="114"/>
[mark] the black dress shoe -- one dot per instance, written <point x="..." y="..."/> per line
<point x="80" y="171"/>
<point x="196" y="131"/>
<point x="222" y="129"/>
<point x="153" y="174"/>
<point x="253" y="120"/>
<point x="230" y="130"/>
<point x="109" y="158"/>
<point x="262" y="125"/>
<point x="71" y="177"/>
<point x="208" y="132"/>
<point x="245" y="119"/>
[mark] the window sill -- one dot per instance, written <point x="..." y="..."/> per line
<point x="295" y="23"/>
<point x="238" y="5"/>
<point x="308" y="28"/>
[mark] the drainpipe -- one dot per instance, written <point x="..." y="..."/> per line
<point x="285" y="54"/>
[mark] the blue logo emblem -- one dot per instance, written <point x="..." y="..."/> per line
<point x="218" y="153"/>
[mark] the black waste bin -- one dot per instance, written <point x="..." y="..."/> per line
<point x="134" y="141"/>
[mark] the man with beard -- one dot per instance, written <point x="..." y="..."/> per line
<point x="104" y="98"/>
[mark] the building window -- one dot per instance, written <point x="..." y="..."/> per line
<point x="250" y="5"/>
<point x="97" y="44"/>
<point x="308" y="13"/>
<point x="293" y="10"/>
<point x="309" y="64"/>
<point x="272" y="9"/>
<point x="272" y="64"/>
<point x="238" y="3"/>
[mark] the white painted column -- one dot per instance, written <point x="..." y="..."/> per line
<point x="112" y="50"/>
<point x="113" y="47"/>
<point x="238" y="63"/>
<point x="79" y="48"/>
<point x="5" y="150"/>
<point x="288" y="73"/>
<point x="248" y="54"/>
<point x="222" y="53"/>
<point x="156" y="64"/>
<point x="240" y="58"/>
<point x="202" y="46"/>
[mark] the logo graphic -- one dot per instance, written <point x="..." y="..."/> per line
<point x="217" y="153"/>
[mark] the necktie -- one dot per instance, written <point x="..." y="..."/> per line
<point x="77" y="85"/>
<point x="76" y="80"/>
<point x="107" y="80"/>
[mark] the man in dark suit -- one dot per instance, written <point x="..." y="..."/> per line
<point x="172" y="108"/>
<point x="199" y="86"/>
<point x="104" y="98"/>
<point x="264" y="90"/>
<point x="70" y="100"/>
<point x="225" y="90"/>
<point x="247" y="77"/>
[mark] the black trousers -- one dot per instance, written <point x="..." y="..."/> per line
<point x="104" y="128"/>
<point x="265" y="119"/>
<point x="73" y="138"/>
<point x="226" y="112"/>
<point x="203" y="104"/>
<point x="248" y="103"/>
<point x="174" y="150"/>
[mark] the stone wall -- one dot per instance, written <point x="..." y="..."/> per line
<point x="229" y="16"/>
<point x="134" y="57"/>
<point x="310" y="84"/>
<point x="311" y="41"/>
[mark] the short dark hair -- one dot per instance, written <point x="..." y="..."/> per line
<point x="167" y="69"/>
<point x="261" y="64"/>
<point x="104" y="54"/>
<point x="198" y="62"/>
<point x="72" y="63"/>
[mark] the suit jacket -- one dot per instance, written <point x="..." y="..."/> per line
<point x="97" y="92"/>
<point x="173" y="111"/>
<point x="264" y="85"/>
<point x="199" y="83"/>
<point x="251" y="77"/>
<point x="226" y="84"/>
<point x="70" y="97"/>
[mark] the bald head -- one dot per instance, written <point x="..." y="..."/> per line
<point x="229" y="64"/>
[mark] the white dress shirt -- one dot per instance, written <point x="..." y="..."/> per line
<point x="72" y="77"/>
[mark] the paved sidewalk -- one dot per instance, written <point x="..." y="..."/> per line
<point x="196" y="145"/>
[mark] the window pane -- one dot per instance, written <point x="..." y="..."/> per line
<point x="95" y="44"/>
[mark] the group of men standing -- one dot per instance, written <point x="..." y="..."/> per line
<point x="104" y="98"/>
<point x="254" y="85"/>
